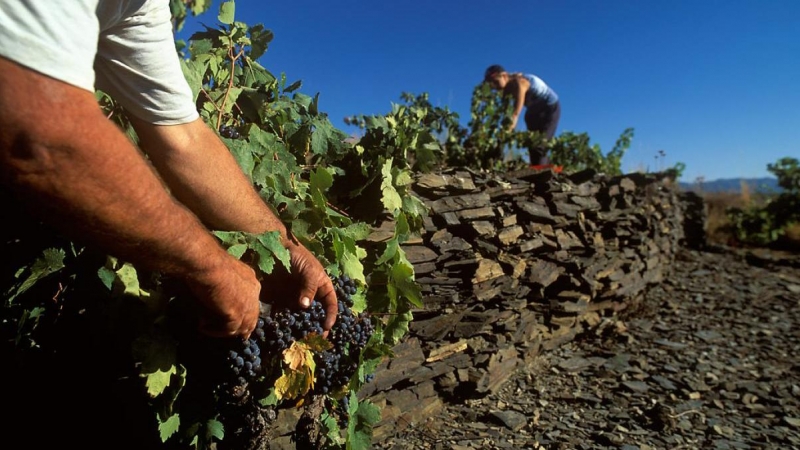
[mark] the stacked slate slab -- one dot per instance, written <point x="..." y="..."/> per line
<point x="517" y="264"/>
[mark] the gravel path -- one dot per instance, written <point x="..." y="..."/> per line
<point x="707" y="360"/>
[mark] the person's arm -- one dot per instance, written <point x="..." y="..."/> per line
<point x="519" y="87"/>
<point x="202" y="174"/>
<point x="76" y="170"/>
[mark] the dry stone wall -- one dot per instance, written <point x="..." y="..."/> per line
<point x="514" y="265"/>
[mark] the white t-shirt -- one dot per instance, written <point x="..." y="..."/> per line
<point x="123" y="47"/>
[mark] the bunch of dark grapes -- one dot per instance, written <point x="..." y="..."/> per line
<point x="229" y="132"/>
<point x="278" y="331"/>
<point x="345" y="288"/>
<point x="349" y="336"/>
<point x="286" y="326"/>
<point x="244" y="359"/>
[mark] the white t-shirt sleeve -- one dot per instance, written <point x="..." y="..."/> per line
<point x="57" y="39"/>
<point x="128" y="51"/>
<point x="137" y="64"/>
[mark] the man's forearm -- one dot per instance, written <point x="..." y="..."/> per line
<point x="79" y="172"/>
<point x="202" y="174"/>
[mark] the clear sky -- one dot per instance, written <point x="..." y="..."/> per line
<point x="715" y="84"/>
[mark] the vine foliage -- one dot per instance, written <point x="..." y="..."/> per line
<point x="330" y="192"/>
<point x="767" y="224"/>
<point x="487" y="144"/>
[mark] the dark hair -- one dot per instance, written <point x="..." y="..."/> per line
<point x="492" y="70"/>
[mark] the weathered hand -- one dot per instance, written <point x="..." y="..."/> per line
<point x="306" y="281"/>
<point x="229" y="294"/>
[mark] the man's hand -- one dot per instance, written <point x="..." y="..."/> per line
<point x="203" y="174"/>
<point x="84" y="176"/>
<point x="306" y="281"/>
<point x="229" y="294"/>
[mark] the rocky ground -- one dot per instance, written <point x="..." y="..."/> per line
<point x="708" y="359"/>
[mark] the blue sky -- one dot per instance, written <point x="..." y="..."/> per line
<point x="715" y="84"/>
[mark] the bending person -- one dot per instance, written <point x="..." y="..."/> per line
<point x="542" y="108"/>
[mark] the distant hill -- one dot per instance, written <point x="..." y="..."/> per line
<point x="764" y="185"/>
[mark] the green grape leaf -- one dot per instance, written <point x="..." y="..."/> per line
<point x="260" y="39"/>
<point x="391" y="199"/>
<point x="332" y="432"/>
<point x="293" y="87"/>
<point x="414" y="206"/>
<point x="377" y="354"/>
<point x="107" y="276"/>
<point x="271" y="241"/>
<point x="352" y="267"/>
<point x="299" y="137"/>
<point x="426" y="154"/>
<point x="302" y="100"/>
<point x="177" y="383"/>
<point x="130" y="280"/>
<point x="401" y="227"/>
<point x="226" y="12"/>
<point x="51" y="261"/>
<point x="169" y="427"/>
<point x="359" y="302"/>
<point x="403" y="178"/>
<point x="237" y="250"/>
<point x="230" y="100"/>
<point x="357" y="231"/>
<point x="242" y="153"/>
<point x="229" y="238"/>
<point x="193" y="71"/>
<point x="271" y="399"/>
<point x="262" y="141"/>
<point x="300" y="227"/>
<point x="201" y="44"/>
<point x="397" y="327"/>
<point x="321" y="180"/>
<point x="392" y="245"/>
<point x="362" y="420"/>
<point x="158" y="356"/>
<point x="215" y="429"/>
<point x="402" y="277"/>
<point x="322" y="138"/>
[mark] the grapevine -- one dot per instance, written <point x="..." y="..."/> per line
<point x="239" y="371"/>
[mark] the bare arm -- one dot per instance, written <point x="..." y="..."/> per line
<point x="76" y="170"/>
<point x="202" y="174"/>
<point x="519" y="87"/>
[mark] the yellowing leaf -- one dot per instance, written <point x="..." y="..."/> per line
<point x="317" y="343"/>
<point x="297" y="356"/>
<point x="293" y="384"/>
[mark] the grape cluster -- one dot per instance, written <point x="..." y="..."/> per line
<point x="245" y="359"/>
<point x="288" y="325"/>
<point x="229" y="132"/>
<point x="349" y="336"/>
<point x="276" y="332"/>
<point x="345" y="288"/>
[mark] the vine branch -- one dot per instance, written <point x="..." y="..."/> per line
<point x="234" y="58"/>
